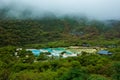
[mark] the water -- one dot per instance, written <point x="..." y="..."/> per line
<point x="36" y="52"/>
<point x="53" y="51"/>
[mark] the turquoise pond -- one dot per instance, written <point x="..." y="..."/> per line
<point x="36" y="52"/>
<point x="51" y="50"/>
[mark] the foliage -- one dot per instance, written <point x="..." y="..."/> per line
<point x="58" y="32"/>
<point x="82" y="67"/>
<point x="74" y="74"/>
<point x="98" y="77"/>
<point x="116" y="75"/>
<point x="33" y="31"/>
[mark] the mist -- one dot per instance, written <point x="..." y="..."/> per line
<point x="94" y="9"/>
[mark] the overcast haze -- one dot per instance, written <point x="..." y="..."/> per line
<point x="98" y="9"/>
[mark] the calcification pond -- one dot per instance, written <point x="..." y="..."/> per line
<point x="66" y="52"/>
<point x="53" y="51"/>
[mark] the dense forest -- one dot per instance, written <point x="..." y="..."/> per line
<point x="36" y="31"/>
<point x="84" y="67"/>
<point x="58" y="32"/>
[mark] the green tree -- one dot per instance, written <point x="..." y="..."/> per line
<point x="98" y="77"/>
<point x="42" y="56"/>
<point x="116" y="68"/>
<point x="74" y="74"/>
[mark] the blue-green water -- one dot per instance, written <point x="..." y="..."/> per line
<point x="54" y="51"/>
<point x="36" y="52"/>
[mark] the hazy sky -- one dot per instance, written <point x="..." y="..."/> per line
<point x="100" y="9"/>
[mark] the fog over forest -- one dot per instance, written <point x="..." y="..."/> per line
<point x="94" y="9"/>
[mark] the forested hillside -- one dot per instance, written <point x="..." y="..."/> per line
<point x="32" y="31"/>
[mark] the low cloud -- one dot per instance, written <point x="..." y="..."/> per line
<point x="98" y="9"/>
